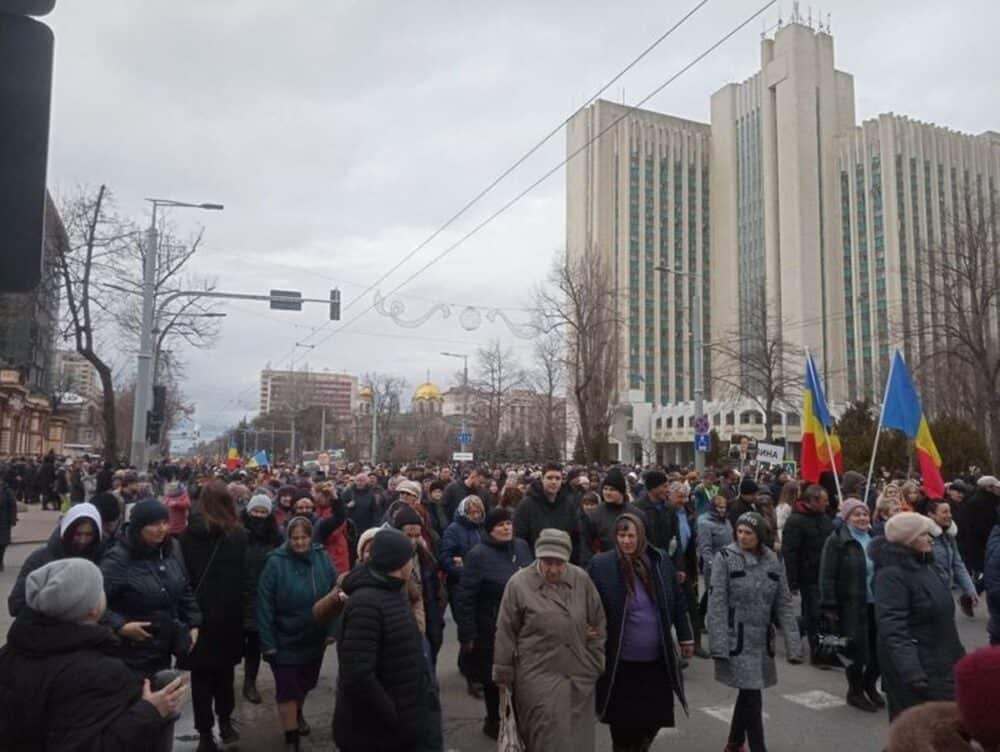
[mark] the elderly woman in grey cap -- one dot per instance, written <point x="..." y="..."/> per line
<point x="748" y="593"/>
<point x="549" y="648"/>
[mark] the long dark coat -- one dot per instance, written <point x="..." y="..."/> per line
<point x="216" y="563"/>
<point x="802" y="542"/>
<point x="843" y="588"/>
<point x="61" y="689"/>
<point x="8" y="512"/>
<point x="918" y="640"/>
<point x="605" y="570"/>
<point x="263" y="537"/>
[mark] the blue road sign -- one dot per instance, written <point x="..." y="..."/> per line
<point x="702" y="442"/>
<point x="465" y="438"/>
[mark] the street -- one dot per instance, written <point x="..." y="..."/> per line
<point x="806" y="710"/>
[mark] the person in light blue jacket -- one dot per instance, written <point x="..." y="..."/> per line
<point x="947" y="559"/>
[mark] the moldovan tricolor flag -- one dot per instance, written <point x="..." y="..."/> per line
<point x="818" y="440"/>
<point x="901" y="409"/>
<point x="233" y="460"/>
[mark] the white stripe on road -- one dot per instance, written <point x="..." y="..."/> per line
<point x="722" y="713"/>
<point x="817" y="700"/>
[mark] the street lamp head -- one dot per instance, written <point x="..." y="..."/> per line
<point x="212" y="207"/>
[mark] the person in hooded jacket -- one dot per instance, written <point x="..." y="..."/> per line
<point x="918" y="642"/>
<point x="747" y="596"/>
<point x="549" y="504"/>
<point x="295" y="576"/>
<point x="214" y="546"/>
<point x="425" y="579"/>
<point x="77" y="535"/>
<point x="384" y="687"/>
<point x="476" y="603"/>
<point x="599" y="525"/>
<point x="642" y="601"/>
<point x="150" y="602"/>
<point x="61" y="686"/>
<point x="460" y="537"/>
<point x="175" y="496"/>
<point x="263" y="537"/>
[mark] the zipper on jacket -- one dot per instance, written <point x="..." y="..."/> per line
<point x="618" y="654"/>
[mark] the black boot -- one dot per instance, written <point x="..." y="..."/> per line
<point x="491" y="728"/>
<point x="874" y="696"/>
<point x="226" y="731"/>
<point x="855" y="692"/>
<point x="206" y="743"/>
<point x="292" y="740"/>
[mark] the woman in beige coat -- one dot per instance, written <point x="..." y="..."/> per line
<point x="550" y="648"/>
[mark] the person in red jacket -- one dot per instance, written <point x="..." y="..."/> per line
<point x="333" y="531"/>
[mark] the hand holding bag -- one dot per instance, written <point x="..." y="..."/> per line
<point x="509" y="739"/>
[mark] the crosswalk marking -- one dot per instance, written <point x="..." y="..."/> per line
<point x="722" y="713"/>
<point x="817" y="700"/>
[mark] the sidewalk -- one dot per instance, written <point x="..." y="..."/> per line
<point x="33" y="526"/>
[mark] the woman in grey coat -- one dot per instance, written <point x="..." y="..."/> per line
<point x="748" y="593"/>
<point x="715" y="532"/>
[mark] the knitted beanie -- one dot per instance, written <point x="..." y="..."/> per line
<point x="65" y="589"/>
<point x="148" y="512"/>
<point x="494" y="517"/>
<point x="616" y="480"/>
<point x="553" y="544"/>
<point x="260" y="501"/>
<point x="758" y="524"/>
<point x="847" y="507"/>
<point x="390" y="550"/>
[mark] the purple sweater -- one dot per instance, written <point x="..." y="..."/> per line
<point x="641" y="631"/>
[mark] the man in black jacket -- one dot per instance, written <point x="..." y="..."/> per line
<point x="385" y="697"/>
<point x="802" y="542"/>
<point x="457" y="490"/>
<point x="599" y="525"/>
<point x="549" y="504"/>
<point x="61" y="687"/>
<point x="976" y="517"/>
<point x="662" y="525"/>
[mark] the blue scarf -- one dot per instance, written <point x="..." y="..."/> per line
<point x="864" y="538"/>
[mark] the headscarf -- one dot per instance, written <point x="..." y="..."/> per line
<point x="635" y="564"/>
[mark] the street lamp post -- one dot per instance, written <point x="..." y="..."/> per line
<point x="144" y="365"/>
<point x="698" y="345"/>
<point x="465" y="394"/>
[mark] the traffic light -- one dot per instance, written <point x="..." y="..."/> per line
<point x="25" y="92"/>
<point x="334" y="305"/>
<point x="156" y="417"/>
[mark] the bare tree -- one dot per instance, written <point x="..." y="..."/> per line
<point x="963" y="339"/>
<point x="95" y="248"/>
<point x="581" y="304"/>
<point x="387" y="401"/>
<point x="547" y="380"/>
<point x="757" y="363"/>
<point x="497" y="376"/>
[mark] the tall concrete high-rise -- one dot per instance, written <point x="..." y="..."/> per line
<point x="821" y="230"/>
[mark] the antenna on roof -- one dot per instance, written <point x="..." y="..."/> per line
<point x="796" y="16"/>
<point x="828" y="26"/>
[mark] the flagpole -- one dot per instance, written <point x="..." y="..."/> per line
<point x="878" y="430"/>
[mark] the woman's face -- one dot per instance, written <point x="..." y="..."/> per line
<point x="258" y="512"/>
<point x="475" y="513"/>
<point x="860" y="519"/>
<point x="895" y="506"/>
<point x="300" y="539"/>
<point x="503" y="532"/>
<point x="720" y="504"/>
<point x="891" y="492"/>
<point x="366" y="552"/>
<point x="84" y="534"/>
<point x="911" y="496"/>
<point x="923" y="543"/>
<point x="552" y="569"/>
<point x="153" y="535"/>
<point x="747" y="538"/>
<point x="628" y="539"/>
<point x="494" y="487"/>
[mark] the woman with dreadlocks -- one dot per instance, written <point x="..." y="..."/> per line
<point x="642" y="600"/>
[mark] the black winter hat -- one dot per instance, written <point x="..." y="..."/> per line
<point x="616" y="480"/>
<point x="748" y="486"/>
<point x="404" y="516"/>
<point x="108" y="505"/>
<point x="389" y="551"/>
<point x="654" y="479"/>
<point x="147" y="512"/>
<point x="758" y="524"/>
<point x="494" y="517"/>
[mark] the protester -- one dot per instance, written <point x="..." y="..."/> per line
<point x="947" y="559"/>
<point x="660" y="518"/>
<point x="715" y="532"/>
<point x="459" y="489"/>
<point x="77" y="535"/>
<point x="599" y="525"/>
<point x="263" y="537"/>
<point x="549" y="648"/>
<point x="803" y="539"/>
<point x="384" y="689"/>
<point x="460" y="537"/>
<point x="175" y="496"/>
<point x="333" y="530"/>
<point x="295" y="576"/>
<point x="548" y="504"/>
<point x="977" y="515"/>
<point x="847" y="601"/>
<point x="62" y="687"/>
<point x="476" y="605"/>
<point x="8" y="517"/>
<point x="748" y="593"/>
<point x="425" y="580"/>
<point x="150" y="602"/>
<point x="642" y="602"/>
<point x="918" y="642"/>
<point x="787" y="499"/>
<point x="215" y="549"/>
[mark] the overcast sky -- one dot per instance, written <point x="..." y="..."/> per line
<point x="340" y="135"/>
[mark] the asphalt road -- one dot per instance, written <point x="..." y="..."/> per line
<point x="805" y="711"/>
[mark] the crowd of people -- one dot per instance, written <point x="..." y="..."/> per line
<point x="578" y="594"/>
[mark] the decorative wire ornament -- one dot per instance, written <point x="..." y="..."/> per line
<point x="470" y="318"/>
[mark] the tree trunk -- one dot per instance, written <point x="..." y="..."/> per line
<point x="107" y="408"/>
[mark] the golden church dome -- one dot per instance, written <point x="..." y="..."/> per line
<point x="427" y="391"/>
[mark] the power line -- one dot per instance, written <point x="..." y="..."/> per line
<point x="545" y="139"/>
<point x="558" y="166"/>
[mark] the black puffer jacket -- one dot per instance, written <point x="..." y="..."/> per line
<point x="216" y="563"/>
<point x="488" y="566"/>
<point x="802" y="542"/>
<point x="263" y="537"/>
<point x="918" y="644"/>
<point x="843" y="588"/>
<point x="383" y="680"/>
<point x="976" y="517"/>
<point x="147" y="584"/>
<point x="663" y="529"/>
<point x="61" y="689"/>
<point x="536" y="513"/>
